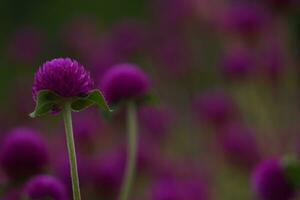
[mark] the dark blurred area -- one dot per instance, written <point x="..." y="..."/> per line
<point x="225" y="73"/>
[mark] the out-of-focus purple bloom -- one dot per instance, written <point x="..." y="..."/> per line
<point x="155" y="120"/>
<point x="173" y="13"/>
<point x="124" y="82"/>
<point x="128" y="37"/>
<point x="269" y="181"/>
<point x="87" y="127"/>
<point x="108" y="172"/>
<point x="23" y="153"/>
<point x="215" y="107"/>
<point x="63" y="76"/>
<point x="45" y="186"/>
<point x="239" y="145"/>
<point x="238" y="63"/>
<point x="247" y="20"/>
<point x="173" y="53"/>
<point x="62" y="170"/>
<point x="80" y="35"/>
<point x="273" y="63"/>
<point x="26" y="45"/>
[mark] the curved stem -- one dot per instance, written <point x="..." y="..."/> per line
<point x="131" y="152"/>
<point x="67" y="115"/>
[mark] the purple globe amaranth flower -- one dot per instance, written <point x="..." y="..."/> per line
<point x="45" y="186"/>
<point x="215" y="107"/>
<point x="63" y="76"/>
<point x="108" y="172"/>
<point x="124" y="82"/>
<point x="270" y="182"/>
<point x="87" y="130"/>
<point x="155" y="120"/>
<point x="273" y="63"/>
<point x="237" y="64"/>
<point x="26" y="45"/>
<point x="23" y="153"/>
<point x="62" y="171"/>
<point x="239" y="145"/>
<point x="246" y="19"/>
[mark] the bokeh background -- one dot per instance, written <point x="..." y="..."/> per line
<point x="225" y="74"/>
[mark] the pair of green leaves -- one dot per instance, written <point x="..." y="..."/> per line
<point x="48" y="101"/>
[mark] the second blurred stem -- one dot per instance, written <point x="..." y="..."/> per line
<point x="131" y="151"/>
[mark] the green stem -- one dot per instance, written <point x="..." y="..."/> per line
<point x="67" y="115"/>
<point x="131" y="152"/>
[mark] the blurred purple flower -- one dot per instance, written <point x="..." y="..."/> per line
<point x="26" y="45"/>
<point x="63" y="76"/>
<point x="80" y="34"/>
<point x="23" y="153"/>
<point x="246" y="19"/>
<point x="45" y="186"/>
<point x="172" y="52"/>
<point x="269" y="181"/>
<point x="128" y="37"/>
<point x="237" y="63"/>
<point x="155" y="120"/>
<point x="239" y="145"/>
<point x="62" y="170"/>
<point x="87" y="127"/>
<point x="215" y="107"/>
<point x="273" y="63"/>
<point x="123" y="82"/>
<point x="173" y="13"/>
<point x="108" y="172"/>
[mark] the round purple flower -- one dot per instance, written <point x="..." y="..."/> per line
<point x="245" y="19"/>
<point x="123" y="82"/>
<point x="23" y="153"/>
<point x="155" y="120"/>
<point x="237" y="63"/>
<point x="269" y="181"/>
<point x="108" y="172"/>
<point x="26" y="45"/>
<point x="239" y="145"/>
<point x="45" y="186"/>
<point x="63" y="76"/>
<point x="215" y="107"/>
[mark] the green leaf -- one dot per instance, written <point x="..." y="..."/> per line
<point x="46" y="100"/>
<point x="94" y="98"/>
<point x="147" y="99"/>
<point x="291" y="165"/>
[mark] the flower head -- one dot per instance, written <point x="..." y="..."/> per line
<point x="215" y="107"/>
<point x="108" y="173"/>
<point x="237" y="63"/>
<point x="45" y="186"/>
<point x="247" y="20"/>
<point x="23" y="153"/>
<point x="123" y="82"/>
<point x="63" y="76"/>
<point x="239" y="145"/>
<point x="270" y="182"/>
